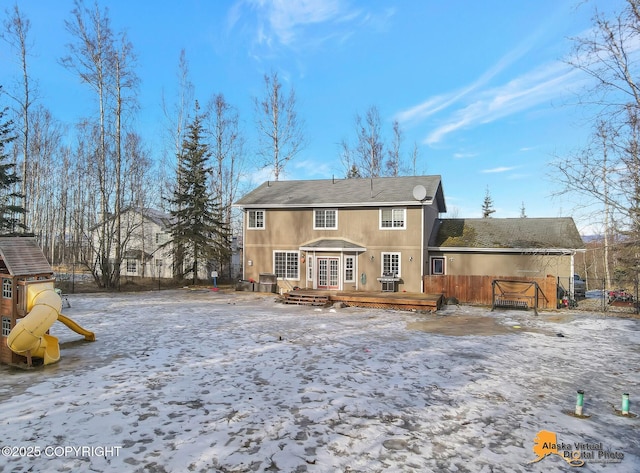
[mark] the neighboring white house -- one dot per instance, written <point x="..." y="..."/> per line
<point x="145" y="234"/>
<point x="236" y="257"/>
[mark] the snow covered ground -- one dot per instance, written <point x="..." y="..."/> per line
<point x="200" y="381"/>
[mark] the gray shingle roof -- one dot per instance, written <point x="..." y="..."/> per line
<point x="378" y="191"/>
<point x="23" y="257"/>
<point x="160" y="218"/>
<point x="548" y="233"/>
<point x="332" y="244"/>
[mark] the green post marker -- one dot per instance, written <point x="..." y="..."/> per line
<point x="579" y="403"/>
<point x="625" y="404"/>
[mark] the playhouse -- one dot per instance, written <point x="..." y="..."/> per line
<point x="29" y="304"/>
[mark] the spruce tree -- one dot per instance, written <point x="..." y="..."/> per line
<point x="197" y="230"/>
<point x="10" y="212"/>
<point x="523" y="211"/>
<point x="487" y="205"/>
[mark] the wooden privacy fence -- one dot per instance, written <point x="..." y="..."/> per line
<point x="478" y="290"/>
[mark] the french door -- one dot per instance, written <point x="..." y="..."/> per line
<point x="328" y="273"/>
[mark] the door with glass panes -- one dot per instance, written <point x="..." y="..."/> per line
<point x="328" y="273"/>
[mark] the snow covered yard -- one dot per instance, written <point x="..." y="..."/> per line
<point x="234" y="382"/>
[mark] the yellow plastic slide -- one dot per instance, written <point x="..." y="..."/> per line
<point x="29" y="334"/>
<point x="89" y="336"/>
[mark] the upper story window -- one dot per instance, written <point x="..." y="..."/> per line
<point x="256" y="219"/>
<point x="161" y="238"/>
<point x="327" y="219"/>
<point x="393" y="218"/>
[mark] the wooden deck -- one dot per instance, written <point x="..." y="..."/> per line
<point x="378" y="300"/>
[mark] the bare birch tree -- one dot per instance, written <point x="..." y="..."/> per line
<point x="90" y="58"/>
<point x="227" y="156"/>
<point x="367" y="158"/>
<point x="43" y="176"/>
<point x="351" y="169"/>
<point x="16" y="33"/>
<point x="280" y="131"/>
<point x="607" y="174"/>
<point x="394" y="160"/>
<point x="106" y="64"/>
<point x="176" y="119"/>
<point x="415" y="155"/>
<point x="124" y="83"/>
<point x="370" y="146"/>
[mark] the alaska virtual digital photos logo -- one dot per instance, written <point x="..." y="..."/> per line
<point x="576" y="453"/>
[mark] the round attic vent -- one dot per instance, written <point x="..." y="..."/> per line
<point x="419" y="192"/>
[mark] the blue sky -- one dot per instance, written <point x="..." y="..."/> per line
<point x="480" y="86"/>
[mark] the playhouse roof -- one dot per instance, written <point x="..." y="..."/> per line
<point x="23" y="257"/>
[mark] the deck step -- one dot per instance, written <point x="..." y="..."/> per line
<point x="305" y="299"/>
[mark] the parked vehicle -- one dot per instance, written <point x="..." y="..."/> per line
<point x="579" y="287"/>
<point x="620" y="295"/>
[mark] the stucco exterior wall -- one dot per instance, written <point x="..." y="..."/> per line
<point x="469" y="264"/>
<point x="289" y="229"/>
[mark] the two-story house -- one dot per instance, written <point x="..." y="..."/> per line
<point x="341" y="234"/>
<point x="144" y="236"/>
<point x="345" y="234"/>
<point x="147" y="250"/>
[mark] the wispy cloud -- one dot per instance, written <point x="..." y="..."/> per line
<point x="525" y="92"/>
<point x="310" y="168"/>
<point x="464" y="155"/>
<point x="286" y="18"/>
<point x="436" y="104"/>
<point x="479" y="103"/>
<point x="299" y="23"/>
<point x="499" y="169"/>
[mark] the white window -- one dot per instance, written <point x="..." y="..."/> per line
<point x="393" y="218"/>
<point x="286" y="264"/>
<point x="256" y="219"/>
<point x="349" y="268"/>
<point x="6" y="326"/>
<point x="161" y="238"/>
<point x="391" y="264"/>
<point x="7" y="288"/>
<point x="437" y="265"/>
<point x="132" y="266"/>
<point x="327" y="219"/>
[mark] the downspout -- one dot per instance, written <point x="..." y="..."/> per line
<point x="314" y="268"/>
<point x="356" y="269"/>
<point x="244" y="218"/>
<point x="422" y="258"/>
<point x="571" y="282"/>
